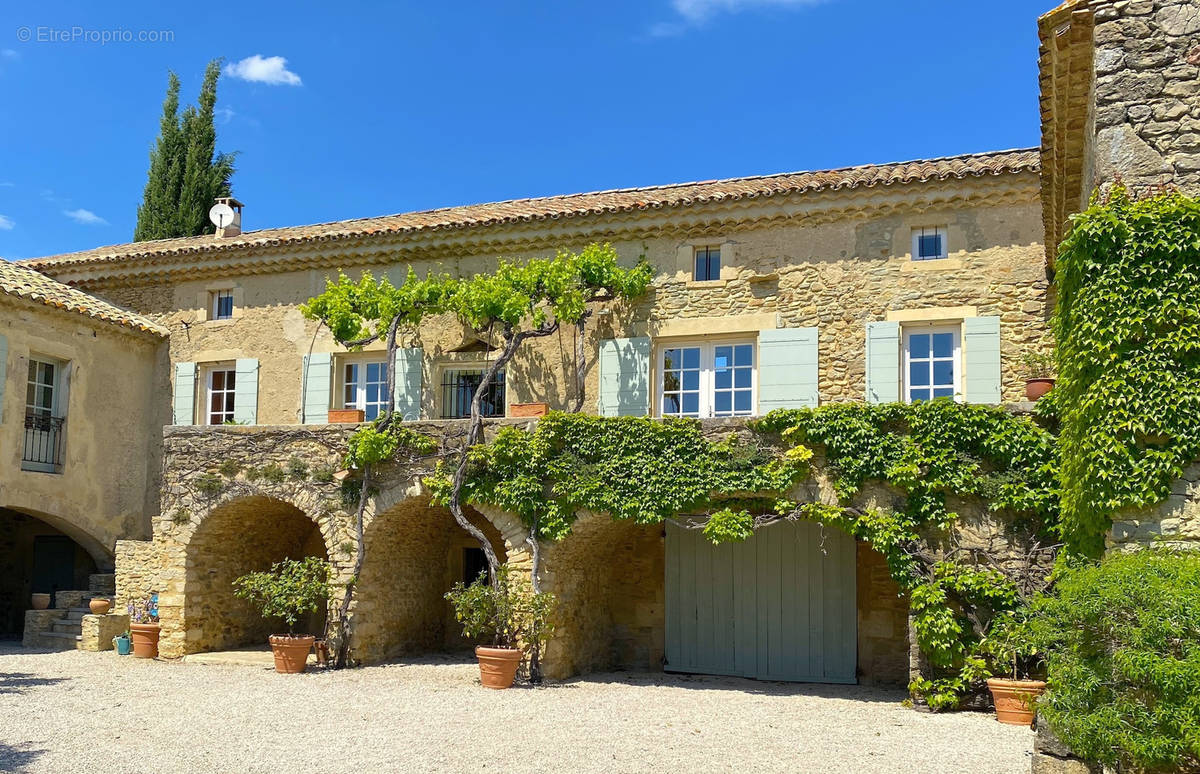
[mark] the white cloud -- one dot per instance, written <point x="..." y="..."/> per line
<point x="86" y="217"/>
<point x="6" y="223"/>
<point x="271" y="70"/>
<point x="694" y="13"/>
<point x="7" y="184"/>
<point x="224" y="114"/>
<point x="9" y="53"/>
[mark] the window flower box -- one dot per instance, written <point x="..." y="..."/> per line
<point x="346" y="416"/>
<point x="528" y="409"/>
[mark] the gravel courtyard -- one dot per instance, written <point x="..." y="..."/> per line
<point x="76" y="711"/>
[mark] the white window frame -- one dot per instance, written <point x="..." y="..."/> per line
<point x="695" y="256"/>
<point x="215" y="305"/>
<point x="940" y="231"/>
<point x="55" y="387"/>
<point x="56" y="409"/>
<point x="909" y="330"/>
<point x="360" y="384"/>
<point x="707" y="381"/>
<point x="209" y="392"/>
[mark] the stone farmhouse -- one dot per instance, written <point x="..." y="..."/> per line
<point x="129" y="374"/>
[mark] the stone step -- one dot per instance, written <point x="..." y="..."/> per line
<point x="66" y="626"/>
<point x="66" y="636"/>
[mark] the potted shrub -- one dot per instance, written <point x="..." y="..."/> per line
<point x="143" y="626"/>
<point x="1038" y="368"/>
<point x="1011" y="642"/>
<point x="509" y="615"/>
<point x="290" y="590"/>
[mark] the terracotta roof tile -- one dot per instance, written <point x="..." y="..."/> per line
<point x="575" y="205"/>
<point x="24" y="282"/>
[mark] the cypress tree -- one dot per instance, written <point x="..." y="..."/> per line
<point x="186" y="173"/>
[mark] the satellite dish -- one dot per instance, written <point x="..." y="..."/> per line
<point x="221" y="215"/>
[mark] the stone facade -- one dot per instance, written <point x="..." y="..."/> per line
<point x="1174" y="523"/>
<point x="221" y="516"/>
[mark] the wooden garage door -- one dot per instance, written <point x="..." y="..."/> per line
<point x="780" y="606"/>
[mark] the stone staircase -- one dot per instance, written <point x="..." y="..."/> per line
<point x="61" y="627"/>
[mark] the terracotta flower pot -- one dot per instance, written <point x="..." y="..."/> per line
<point x="1036" y="388"/>
<point x="291" y="652"/>
<point x="40" y="601"/>
<point x="145" y="639"/>
<point x="99" y="606"/>
<point x="497" y="666"/>
<point x="1015" y="700"/>
<point x="346" y="416"/>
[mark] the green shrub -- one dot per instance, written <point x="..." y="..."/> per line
<point x="290" y="590"/>
<point x="509" y="613"/>
<point x="1123" y="660"/>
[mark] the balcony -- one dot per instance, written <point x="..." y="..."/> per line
<point x="45" y="438"/>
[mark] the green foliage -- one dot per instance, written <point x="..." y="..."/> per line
<point x="1123" y="660"/>
<point x="1128" y="330"/>
<point x="272" y="474"/>
<point x="186" y="173"/>
<point x="357" y="311"/>
<point x="638" y="469"/>
<point x="290" y="590"/>
<point x="509" y="612"/>
<point x="297" y="469"/>
<point x="378" y="442"/>
<point x="209" y="485"/>
<point x="229" y="468"/>
<point x="1037" y="365"/>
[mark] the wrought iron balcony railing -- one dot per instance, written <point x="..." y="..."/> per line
<point x="44" y="441"/>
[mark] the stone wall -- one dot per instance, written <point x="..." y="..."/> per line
<point x="222" y="516"/>
<point x="1173" y="523"/>
<point x="1147" y="92"/>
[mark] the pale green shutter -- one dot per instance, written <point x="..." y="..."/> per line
<point x="3" y="370"/>
<point x="185" y="394"/>
<point x="245" y="393"/>
<point x="624" y="377"/>
<point x="409" y="365"/>
<point x="787" y="368"/>
<point x="883" y="362"/>
<point x="981" y="359"/>
<point x="318" y="374"/>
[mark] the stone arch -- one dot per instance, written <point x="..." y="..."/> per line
<point x="608" y="578"/>
<point x="242" y="534"/>
<point x="42" y="553"/>
<point x="415" y="552"/>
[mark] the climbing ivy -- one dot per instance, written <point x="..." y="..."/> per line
<point x="649" y="471"/>
<point x="1127" y="323"/>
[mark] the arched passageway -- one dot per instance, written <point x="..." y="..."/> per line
<point x="607" y="576"/>
<point x="244" y="535"/>
<point x="415" y="553"/>
<point x="36" y="556"/>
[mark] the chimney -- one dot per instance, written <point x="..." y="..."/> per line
<point x="226" y="215"/>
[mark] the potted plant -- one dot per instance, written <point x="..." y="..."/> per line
<point x="1012" y="643"/>
<point x="290" y="590"/>
<point x="122" y="644"/>
<point x="143" y="626"/>
<point x="346" y="416"/>
<point x="1038" y="368"/>
<point x="509" y="614"/>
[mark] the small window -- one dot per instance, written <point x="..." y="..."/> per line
<point x="931" y="363"/>
<point x="929" y="243"/>
<point x="44" y="410"/>
<point x="364" y="386"/>
<point x="221" y="388"/>
<point x="222" y="305"/>
<point x="458" y="390"/>
<point x="707" y="264"/>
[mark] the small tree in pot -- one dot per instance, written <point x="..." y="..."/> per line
<point x="509" y="615"/>
<point x="1038" y="370"/>
<point x="1011" y="644"/>
<point x="290" y="590"/>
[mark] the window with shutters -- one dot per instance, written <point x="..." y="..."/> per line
<point x="364" y="386"/>
<point x="932" y="362"/>
<point x="707" y="379"/>
<point x="220" y="305"/>
<point x="221" y="386"/>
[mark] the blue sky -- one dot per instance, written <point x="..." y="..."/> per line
<point x="389" y="107"/>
